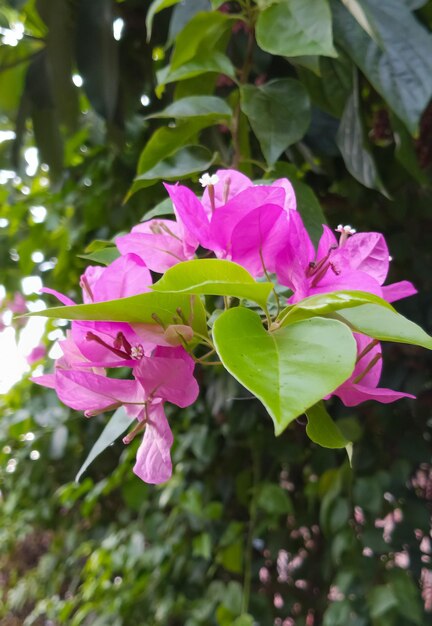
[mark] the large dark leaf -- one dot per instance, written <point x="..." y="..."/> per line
<point x="400" y="67"/>
<point x="279" y="113"/>
<point x="350" y="139"/>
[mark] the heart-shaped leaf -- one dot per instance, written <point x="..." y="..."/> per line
<point x="290" y="369"/>
<point x="215" y="277"/>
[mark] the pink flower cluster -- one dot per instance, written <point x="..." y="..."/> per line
<point x="256" y="226"/>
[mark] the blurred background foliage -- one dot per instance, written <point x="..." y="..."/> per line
<point x="99" y="102"/>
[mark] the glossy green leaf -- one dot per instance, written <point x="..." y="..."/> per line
<point x="136" y="310"/>
<point x="296" y="27"/>
<point x="216" y="62"/>
<point x="400" y="68"/>
<point x="361" y="15"/>
<point x="290" y="369"/>
<point x="181" y="164"/>
<point x="354" y="149"/>
<point x="322" y="430"/>
<point x="202" y="32"/>
<point x="326" y="303"/>
<point x="215" y="277"/>
<point x="104" y="256"/>
<point x="279" y="113"/>
<point x="331" y="89"/>
<point x="385" y="324"/>
<point x="117" y="425"/>
<point x="165" y="141"/>
<point x="210" y="107"/>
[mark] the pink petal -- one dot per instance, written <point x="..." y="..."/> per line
<point x="152" y="242"/>
<point x="230" y="184"/>
<point x="290" y="202"/>
<point x="190" y="214"/>
<point x="371" y="379"/>
<point x="63" y="299"/>
<point x="91" y="393"/>
<point x="225" y="219"/>
<point x="258" y="238"/>
<point x="293" y="261"/>
<point x="327" y="241"/>
<point x="46" y="380"/>
<point x="397" y="291"/>
<point x="88" y="280"/>
<point x="126" y="276"/>
<point x="168" y="378"/>
<point x="153" y="461"/>
<point x="358" y="393"/>
<point x="367" y="252"/>
<point x="347" y="280"/>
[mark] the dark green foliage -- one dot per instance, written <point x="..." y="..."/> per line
<point x="251" y="529"/>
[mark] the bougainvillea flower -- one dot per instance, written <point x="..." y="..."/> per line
<point x="236" y="220"/>
<point x="363" y="382"/>
<point x="159" y="243"/>
<point x="358" y="262"/>
<point x="113" y="344"/>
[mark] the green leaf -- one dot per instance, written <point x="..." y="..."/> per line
<point x="405" y="151"/>
<point x="105" y="256"/>
<point x="119" y="422"/>
<point x="214" y="277"/>
<point x="279" y="113"/>
<point x="164" y="207"/>
<point x="361" y="15"/>
<point x="274" y="500"/>
<point x="352" y="144"/>
<point x="331" y="89"/>
<point x="136" y="310"/>
<point x="204" y="30"/>
<point x="155" y="7"/>
<point x="385" y="324"/>
<point x="322" y="430"/>
<point x="400" y="68"/>
<point x="181" y="164"/>
<point x="290" y="369"/>
<point x="210" y="107"/>
<point x="296" y="27"/>
<point x="166" y="141"/>
<point x="326" y="303"/>
<point x="206" y="62"/>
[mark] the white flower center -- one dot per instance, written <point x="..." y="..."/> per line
<point x="207" y="179"/>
